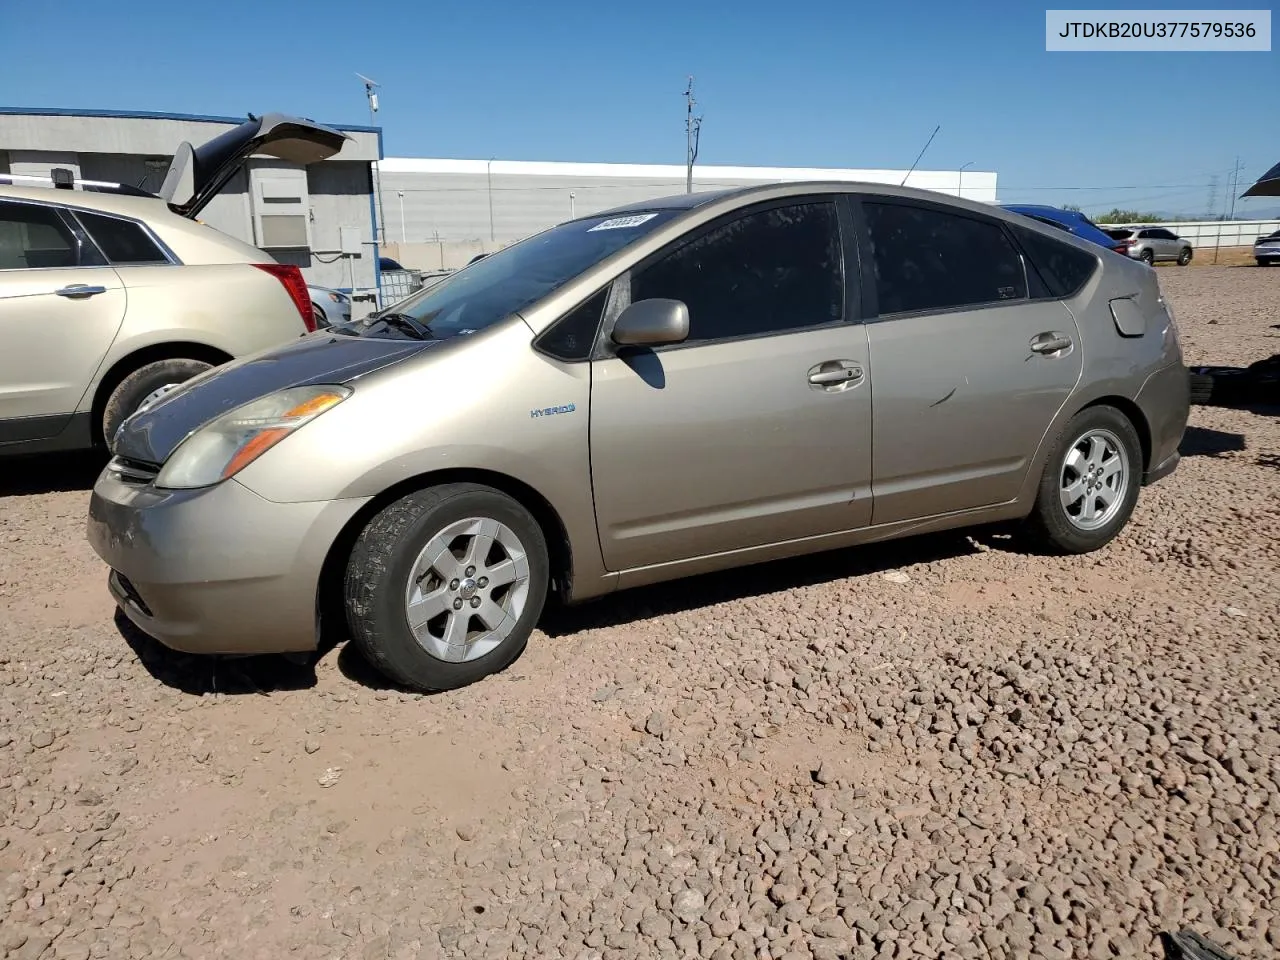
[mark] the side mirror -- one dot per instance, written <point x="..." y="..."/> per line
<point x="651" y="323"/>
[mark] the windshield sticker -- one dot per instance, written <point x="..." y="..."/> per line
<point x="622" y="223"/>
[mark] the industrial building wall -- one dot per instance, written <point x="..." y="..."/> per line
<point x="469" y="205"/>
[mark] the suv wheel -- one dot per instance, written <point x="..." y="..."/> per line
<point x="1147" y="257"/>
<point x="1090" y="482"/>
<point x="1184" y="257"/>
<point x="445" y="585"/>
<point x="143" y="387"/>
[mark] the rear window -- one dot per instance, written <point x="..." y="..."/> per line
<point x="1062" y="268"/>
<point x="121" y="241"/>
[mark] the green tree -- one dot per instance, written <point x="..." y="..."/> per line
<point x="1116" y="215"/>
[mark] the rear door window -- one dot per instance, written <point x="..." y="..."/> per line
<point x="121" y="241"/>
<point x="33" y="236"/>
<point x="929" y="259"/>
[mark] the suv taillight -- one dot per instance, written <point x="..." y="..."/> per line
<point x="1121" y="247"/>
<point x="294" y="284"/>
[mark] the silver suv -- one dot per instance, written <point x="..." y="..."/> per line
<point x="1151" y="244"/>
<point x="109" y="296"/>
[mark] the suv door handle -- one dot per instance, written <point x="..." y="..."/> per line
<point x="77" y="290"/>
<point x="1052" y="342"/>
<point x="835" y="373"/>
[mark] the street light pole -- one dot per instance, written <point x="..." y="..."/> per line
<point x="380" y="234"/>
<point x="488" y="172"/>
<point x="404" y="229"/>
<point x="960" y="184"/>
<point x="571" y="198"/>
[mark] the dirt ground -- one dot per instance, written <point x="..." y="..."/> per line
<point x="938" y="747"/>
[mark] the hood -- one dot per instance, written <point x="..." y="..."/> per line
<point x="151" y="435"/>
<point x="198" y="173"/>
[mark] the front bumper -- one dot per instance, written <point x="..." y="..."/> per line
<point x="217" y="570"/>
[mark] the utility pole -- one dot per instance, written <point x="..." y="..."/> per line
<point x="1235" y="182"/>
<point x="692" y="134"/>
<point x="380" y="234"/>
<point x="960" y="180"/>
<point x="1213" y="196"/>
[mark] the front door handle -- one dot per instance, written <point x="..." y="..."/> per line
<point x="1052" y="342"/>
<point x="77" y="290"/>
<point x="835" y="373"/>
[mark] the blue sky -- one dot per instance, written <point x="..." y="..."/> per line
<point x="806" y="83"/>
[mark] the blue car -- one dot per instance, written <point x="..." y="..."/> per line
<point x="1072" y="221"/>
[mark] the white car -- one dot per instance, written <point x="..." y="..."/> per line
<point x="329" y="306"/>
<point x="110" y="297"/>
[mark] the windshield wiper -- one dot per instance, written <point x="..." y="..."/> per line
<point x="402" y="321"/>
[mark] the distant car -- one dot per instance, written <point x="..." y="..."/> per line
<point x="1266" y="250"/>
<point x="664" y="389"/>
<point x="110" y="297"/>
<point x="1072" y="221"/>
<point x="386" y="263"/>
<point x="1153" y="244"/>
<point x="329" y="306"/>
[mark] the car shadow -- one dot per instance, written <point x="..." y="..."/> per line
<point x="1206" y="442"/>
<point x="201" y="675"/>
<point x="706" y="590"/>
<point x="50" y="473"/>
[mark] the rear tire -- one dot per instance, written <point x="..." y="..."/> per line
<point x="1090" y="482"/>
<point x="429" y="557"/>
<point x="1184" y="258"/>
<point x="1147" y="257"/>
<point x="142" y="384"/>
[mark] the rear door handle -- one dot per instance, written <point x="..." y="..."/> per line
<point x="835" y="373"/>
<point x="77" y="290"/>
<point x="1052" y="342"/>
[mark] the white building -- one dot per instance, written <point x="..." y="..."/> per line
<point x="439" y="213"/>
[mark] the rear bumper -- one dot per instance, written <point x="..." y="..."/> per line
<point x="218" y="570"/>
<point x="1165" y="402"/>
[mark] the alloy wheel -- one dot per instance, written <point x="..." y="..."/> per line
<point x="1094" y="479"/>
<point x="467" y="589"/>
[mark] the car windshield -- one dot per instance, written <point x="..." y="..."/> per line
<point x="490" y="290"/>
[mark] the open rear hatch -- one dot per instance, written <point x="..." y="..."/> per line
<point x="198" y="173"/>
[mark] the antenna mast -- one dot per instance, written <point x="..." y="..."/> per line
<point x="920" y="154"/>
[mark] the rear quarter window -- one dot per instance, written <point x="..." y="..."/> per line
<point x="1062" y="268"/>
<point x="121" y="241"/>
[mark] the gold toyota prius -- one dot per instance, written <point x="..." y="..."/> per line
<point x="680" y="386"/>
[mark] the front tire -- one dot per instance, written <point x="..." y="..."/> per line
<point x="146" y="384"/>
<point x="445" y="585"/>
<point x="1090" y="482"/>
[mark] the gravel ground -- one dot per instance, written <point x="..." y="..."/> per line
<point x="935" y="747"/>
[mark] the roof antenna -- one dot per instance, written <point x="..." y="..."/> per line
<point x="921" y="154"/>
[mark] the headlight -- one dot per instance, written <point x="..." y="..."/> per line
<point x="226" y="445"/>
<point x="336" y="297"/>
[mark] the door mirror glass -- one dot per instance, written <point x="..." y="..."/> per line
<point x="651" y="323"/>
